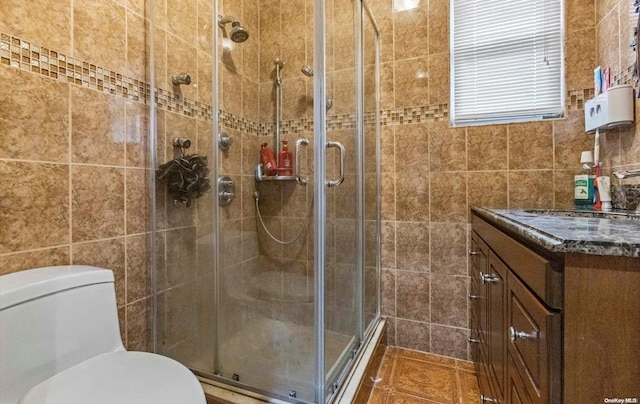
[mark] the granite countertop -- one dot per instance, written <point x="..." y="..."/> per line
<point x="581" y="231"/>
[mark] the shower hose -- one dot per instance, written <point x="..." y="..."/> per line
<point x="256" y="197"/>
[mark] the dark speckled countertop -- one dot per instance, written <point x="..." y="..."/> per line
<point x="586" y="232"/>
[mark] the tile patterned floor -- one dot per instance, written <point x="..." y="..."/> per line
<point x="417" y="377"/>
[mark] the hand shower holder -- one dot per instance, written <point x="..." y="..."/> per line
<point x="296" y="168"/>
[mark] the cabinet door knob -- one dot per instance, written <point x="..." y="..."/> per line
<point x="486" y="399"/>
<point x="471" y="297"/>
<point x="488" y="278"/>
<point x="473" y="252"/>
<point x="514" y="335"/>
<point x="472" y="340"/>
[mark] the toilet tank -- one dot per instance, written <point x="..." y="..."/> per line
<point x="51" y="319"/>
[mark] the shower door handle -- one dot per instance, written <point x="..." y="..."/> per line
<point x="301" y="142"/>
<point x="340" y="180"/>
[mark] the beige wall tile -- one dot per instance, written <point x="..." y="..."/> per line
<point x="387" y="86"/>
<point x="182" y="19"/>
<point x="98" y="202"/>
<point x="34" y="259"/>
<point x="531" y="189"/>
<point x="410" y="28"/>
<point x="205" y="27"/>
<point x="604" y="8"/>
<point x="137" y="134"/>
<point x="412" y="246"/>
<point x="487" y="147"/>
<point x="42" y="22"/>
<point x="138" y="269"/>
<point x="160" y="62"/>
<point x="411" y="82"/>
<point x="412" y="198"/>
<point x="448" y="193"/>
<point x="449" y="249"/>
<point x="98" y="127"/>
<point x="138" y="51"/>
<point x="449" y="341"/>
<point x="628" y="22"/>
<point x="580" y="58"/>
<point x="413" y="295"/>
<point x="447" y="147"/>
<point x="438" y="26"/>
<point x="563" y="185"/>
<point x="99" y="33"/>
<point x="439" y="85"/>
<point x="137" y="201"/>
<point x="205" y="78"/>
<point x="413" y="335"/>
<point x="449" y="300"/>
<point x="580" y="13"/>
<point x="608" y="41"/>
<point x="139" y="325"/>
<point x="412" y="149"/>
<point x="108" y="254"/>
<point x="488" y="188"/>
<point x="35" y="203"/>
<point x="34" y="117"/>
<point x="570" y="139"/>
<point x="531" y="146"/>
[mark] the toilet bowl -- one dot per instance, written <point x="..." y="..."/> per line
<point x="60" y="344"/>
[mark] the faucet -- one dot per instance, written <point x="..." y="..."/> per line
<point x="628" y="174"/>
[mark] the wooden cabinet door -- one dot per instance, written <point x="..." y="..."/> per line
<point x="516" y="391"/>
<point x="496" y="289"/>
<point x="534" y="343"/>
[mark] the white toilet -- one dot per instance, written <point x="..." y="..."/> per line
<point x="60" y="344"/>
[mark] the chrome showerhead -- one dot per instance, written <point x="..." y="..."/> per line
<point x="238" y="32"/>
<point x="307" y="70"/>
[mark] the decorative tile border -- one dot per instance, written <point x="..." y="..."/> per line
<point x="23" y="55"/>
<point x="624" y="77"/>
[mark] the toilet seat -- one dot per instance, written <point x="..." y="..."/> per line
<point x="120" y="377"/>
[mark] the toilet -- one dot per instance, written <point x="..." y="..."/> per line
<point x="60" y="344"/>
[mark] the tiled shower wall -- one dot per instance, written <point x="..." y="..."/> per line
<point x="75" y="150"/>
<point x="433" y="173"/>
<point x="73" y="158"/>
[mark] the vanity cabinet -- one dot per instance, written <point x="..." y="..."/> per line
<point x="516" y="336"/>
<point x="549" y="327"/>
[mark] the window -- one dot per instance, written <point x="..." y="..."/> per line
<point x="506" y="60"/>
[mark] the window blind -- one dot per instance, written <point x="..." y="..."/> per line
<point x="507" y="60"/>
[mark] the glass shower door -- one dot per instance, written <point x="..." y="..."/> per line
<point x="343" y="192"/>
<point x="265" y="328"/>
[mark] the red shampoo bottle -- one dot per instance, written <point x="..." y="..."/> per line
<point x="286" y="160"/>
<point x="268" y="160"/>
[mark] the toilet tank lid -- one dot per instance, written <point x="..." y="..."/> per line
<point x="22" y="286"/>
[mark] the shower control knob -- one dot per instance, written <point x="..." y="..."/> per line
<point x="226" y="190"/>
<point x="224" y="141"/>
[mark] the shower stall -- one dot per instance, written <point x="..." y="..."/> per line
<point x="266" y="279"/>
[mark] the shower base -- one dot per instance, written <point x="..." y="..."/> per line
<point x="357" y="383"/>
